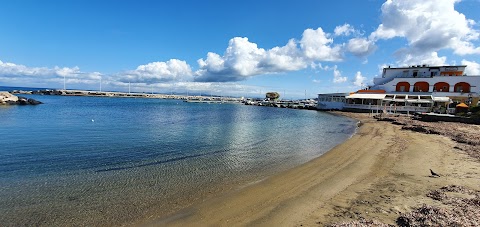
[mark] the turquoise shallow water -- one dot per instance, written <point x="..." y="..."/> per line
<point x="111" y="161"/>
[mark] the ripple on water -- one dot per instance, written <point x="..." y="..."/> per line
<point x="143" y="157"/>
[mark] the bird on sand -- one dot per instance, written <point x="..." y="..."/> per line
<point x="434" y="174"/>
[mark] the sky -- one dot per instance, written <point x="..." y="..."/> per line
<point x="224" y="47"/>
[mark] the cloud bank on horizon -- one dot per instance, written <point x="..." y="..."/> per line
<point x="428" y="27"/>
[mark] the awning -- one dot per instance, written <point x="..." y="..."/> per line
<point x="419" y="101"/>
<point x="366" y="96"/>
<point x="441" y="99"/>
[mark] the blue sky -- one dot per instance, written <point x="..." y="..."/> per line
<point x="230" y="47"/>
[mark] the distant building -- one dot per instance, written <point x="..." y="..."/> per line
<point x="331" y="101"/>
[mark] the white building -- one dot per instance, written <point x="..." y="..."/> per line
<point x="331" y="101"/>
<point x="414" y="88"/>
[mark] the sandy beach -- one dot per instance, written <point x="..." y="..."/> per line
<point x="379" y="174"/>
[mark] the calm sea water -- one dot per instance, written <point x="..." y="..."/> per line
<point x="112" y="161"/>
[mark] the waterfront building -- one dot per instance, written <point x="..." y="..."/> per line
<point x="419" y="88"/>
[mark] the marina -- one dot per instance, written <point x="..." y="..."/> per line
<point x="310" y="104"/>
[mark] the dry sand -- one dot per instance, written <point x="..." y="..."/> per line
<point x="378" y="174"/>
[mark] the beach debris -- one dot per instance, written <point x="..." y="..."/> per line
<point x="434" y="174"/>
<point x="360" y="223"/>
<point x="462" y="208"/>
<point x="427" y="215"/>
<point x="466" y="135"/>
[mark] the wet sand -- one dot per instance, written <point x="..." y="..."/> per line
<point x="378" y="174"/>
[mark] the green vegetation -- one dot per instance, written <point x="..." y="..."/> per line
<point x="272" y="95"/>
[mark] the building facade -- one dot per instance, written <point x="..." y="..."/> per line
<point x="419" y="87"/>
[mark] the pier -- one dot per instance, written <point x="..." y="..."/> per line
<point x="309" y="104"/>
<point x="113" y="94"/>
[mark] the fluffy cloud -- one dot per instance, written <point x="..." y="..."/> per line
<point x="155" y="72"/>
<point x="345" y="30"/>
<point x="337" y="76"/>
<point x="361" y="47"/>
<point x="240" y="61"/>
<point x="473" y="68"/>
<point x="359" y="80"/>
<point x="317" y="46"/>
<point x="428" y="26"/>
<point x="243" y="59"/>
<point x="9" y="71"/>
<point x="286" y="58"/>
<point x="408" y="58"/>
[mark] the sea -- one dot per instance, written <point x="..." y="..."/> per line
<point x="97" y="161"/>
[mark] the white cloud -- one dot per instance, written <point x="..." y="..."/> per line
<point x="316" y="46"/>
<point x="286" y="58"/>
<point x="42" y="75"/>
<point x="337" y="76"/>
<point x="155" y="72"/>
<point x="360" y="47"/>
<point x="473" y="68"/>
<point x="240" y="61"/>
<point x="359" y="80"/>
<point x="429" y="58"/>
<point x="319" y="66"/>
<point x="243" y="56"/>
<point x="213" y="63"/>
<point x="316" y="81"/>
<point x="345" y="30"/>
<point x="428" y="26"/>
<point x="243" y="59"/>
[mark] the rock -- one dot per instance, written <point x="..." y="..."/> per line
<point x="8" y="99"/>
<point x="11" y="102"/>
<point x="22" y="100"/>
<point x="34" y="102"/>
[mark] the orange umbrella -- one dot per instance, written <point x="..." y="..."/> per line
<point x="462" y="105"/>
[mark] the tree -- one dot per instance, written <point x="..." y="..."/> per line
<point x="272" y="95"/>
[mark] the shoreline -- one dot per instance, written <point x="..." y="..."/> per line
<point x="379" y="173"/>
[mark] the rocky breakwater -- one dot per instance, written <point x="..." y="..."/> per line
<point x="8" y="99"/>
